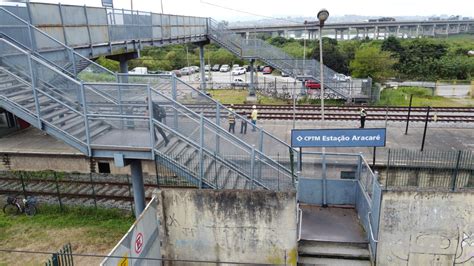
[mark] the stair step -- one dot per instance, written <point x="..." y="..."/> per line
<point x="18" y="92"/>
<point x="332" y="261"/>
<point x="72" y="123"/>
<point x="21" y="98"/>
<point x="82" y="128"/>
<point x="5" y="89"/>
<point x="99" y="130"/>
<point x="66" y="118"/>
<point x="334" y="249"/>
<point x="56" y="113"/>
<point x="50" y="107"/>
<point x="7" y="81"/>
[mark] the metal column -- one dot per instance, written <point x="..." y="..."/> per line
<point x="202" y="67"/>
<point x="138" y="187"/>
<point x="252" y="73"/>
<point x="123" y="69"/>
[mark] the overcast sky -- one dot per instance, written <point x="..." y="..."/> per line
<point x="283" y="8"/>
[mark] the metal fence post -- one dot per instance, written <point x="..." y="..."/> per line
<point x="151" y="123"/>
<point x="359" y="167"/>
<point x="35" y="94"/>
<point x="201" y="150"/>
<point x="456" y="171"/>
<point x="71" y="54"/>
<point x="252" y="167"/>
<point x="58" y="193"/>
<point x="174" y="97"/>
<point x="93" y="190"/>
<point x="86" y="119"/>
<point x="23" y="184"/>
<point x="218" y="122"/>
<point x="130" y="194"/>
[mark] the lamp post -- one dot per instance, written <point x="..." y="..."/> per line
<point x="323" y="15"/>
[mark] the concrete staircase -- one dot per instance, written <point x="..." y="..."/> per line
<point x="333" y="253"/>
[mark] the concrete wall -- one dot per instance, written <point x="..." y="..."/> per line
<point x="63" y="163"/>
<point x="229" y="226"/>
<point x="426" y="228"/>
<point x="141" y="241"/>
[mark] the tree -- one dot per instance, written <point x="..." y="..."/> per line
<point x="109" y="64"/>
<point x="370" y="61"/>
<point x="393" y="45"/>
<point x="332" y="56"/>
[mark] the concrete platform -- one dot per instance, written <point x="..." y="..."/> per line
<point x="331" y="225"/>
<point x="441" y="136"/>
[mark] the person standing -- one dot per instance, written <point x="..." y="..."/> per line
<point x="363" y="114"/>
<point x="231" y="118"/>
<point x="254" y="116"/>
<point x="243" y="123"/>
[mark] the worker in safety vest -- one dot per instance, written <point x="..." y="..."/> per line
<point x="253" y="117"/>
<point x="231" y="118"/>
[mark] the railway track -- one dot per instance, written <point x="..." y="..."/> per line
<point x="105" y="193"/>
<point x="349" y="113"/>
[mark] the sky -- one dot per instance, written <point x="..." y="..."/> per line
<point x="260" y="9"/>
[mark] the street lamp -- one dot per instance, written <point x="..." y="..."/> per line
<point x="323" y="15"/>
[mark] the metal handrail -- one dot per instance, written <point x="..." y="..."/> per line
<point x="370" y="228"/>
<point x="195" y="145"/>
<point x="58" y="42"/>
<point x="228" y="135"/>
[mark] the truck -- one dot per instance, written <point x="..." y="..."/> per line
<point x="139" y="71"/>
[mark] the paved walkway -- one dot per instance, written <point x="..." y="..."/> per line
<point x="442" y="136"/>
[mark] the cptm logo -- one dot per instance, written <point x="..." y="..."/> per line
<point x="299" y="138"/>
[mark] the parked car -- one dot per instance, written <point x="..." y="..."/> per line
<point x="283" y="74"/>
<point x="234" y="66"/>
<point x="341" y="77"/>
<point x="139" y="71"/>
<point x="247" y="67"/>
<point x="186" y="71"/>
<point x="216" y="67"/>
<point x="194" y="68"/>
<point x="260" y="68"/>
<point x="239" y="82"/>
<point x="224" y="68"/>
<point x="267" y="70"/>
<point x="311" y="84"/>
<point x="207" y="68"/>
<point x="238" y="71"/>
<point x="177" y="73"/>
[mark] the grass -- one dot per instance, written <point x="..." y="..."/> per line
<point x="421" y="97"/>
<point x="240" y="96"/>
<point x="89" y="230"/>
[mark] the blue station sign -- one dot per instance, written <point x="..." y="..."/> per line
<point x="356" y="137"/>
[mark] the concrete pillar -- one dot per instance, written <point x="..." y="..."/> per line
<point x="252" y="73"/>
<point x="447" y="30"/>
<point x="387" y="33"/>
<point x="247" y="35"/>
<point x="342" y="34"/>
<point x="398" y="31"/>
<point x="376" y="33"/>
<point x="434" y="30"/>
<point x="335" y="35"/>
<point x="357" y="33"/>
<point x="202" y="67"/>
<point x="138" y="187"/>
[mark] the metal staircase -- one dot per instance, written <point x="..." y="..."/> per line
<point x="101" y="119"/>
<point x="271" y="55"/>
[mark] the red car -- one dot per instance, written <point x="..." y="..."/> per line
<point x="311" y="84"/>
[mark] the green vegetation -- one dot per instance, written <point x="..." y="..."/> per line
<point x="426" y="59"/>
<point x="89" y="230"/>
<point x="421" y="97"/>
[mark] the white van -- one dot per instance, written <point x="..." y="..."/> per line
<point x="139" y="71"/>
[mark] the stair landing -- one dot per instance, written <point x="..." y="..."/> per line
<point x="331" y="225"/>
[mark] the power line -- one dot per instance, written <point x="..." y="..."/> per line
<point x="249" y="13"/>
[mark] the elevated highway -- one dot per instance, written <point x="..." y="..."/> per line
<point x="409" y="29"/>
